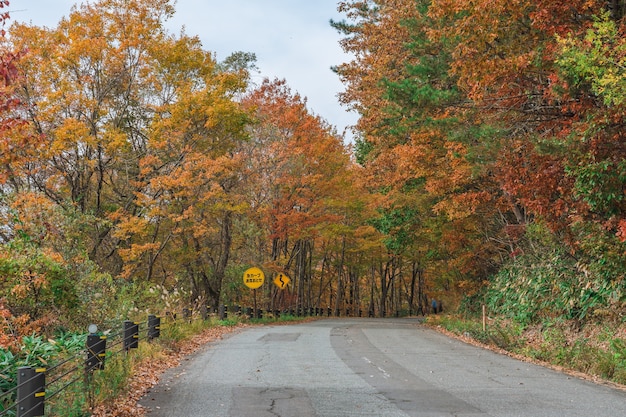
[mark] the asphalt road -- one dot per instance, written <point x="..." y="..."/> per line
<point x="367" y="367"/>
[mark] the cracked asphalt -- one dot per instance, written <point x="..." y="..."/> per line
<point x="367" y="367"/>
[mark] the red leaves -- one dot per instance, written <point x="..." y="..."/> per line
<point x="621" y="233"/>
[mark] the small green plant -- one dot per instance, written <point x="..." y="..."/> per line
<point x="174" y="331"/>
<point x="230" y="321"/>
<point x="37" y="352"/>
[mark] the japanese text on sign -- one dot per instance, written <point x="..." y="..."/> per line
<point x="253" y="278"/>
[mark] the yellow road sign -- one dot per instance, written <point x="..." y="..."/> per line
<point x="281" y="281"/>
<point x="253" y="278"/>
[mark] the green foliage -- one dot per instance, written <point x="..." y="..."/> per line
<point x="601" y="257"/>
<point x="110" y="383"/>
<point x="36" y="352"/>
<point x="601" y="185"/>
<point x="556" y="342"/>
<point x="398" y="225"/>
<point x="174" y="331"/>
<point x="79" y="392"/>
<point x="239" y="61"/>
<point x="531" y="289"/>
<point x="599" y="60"/>
<point x="271" y="319"/>
<point x="603" y="358"/>
<point x="362" y="149"/>
<point x="230" y="321"/>
<point x="547" y="282"/>
<point x="36" y="279"/>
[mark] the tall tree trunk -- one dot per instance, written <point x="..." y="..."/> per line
<point x="340" y="286"/>
<point x="309" y="273"/>
<point x="371" y="310"/>
<point x="414" y="269"/>
<point x="421" y="295"/>
<point x="213" y="288"/>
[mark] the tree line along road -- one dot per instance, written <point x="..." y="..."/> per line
<point x="367" y="367"/>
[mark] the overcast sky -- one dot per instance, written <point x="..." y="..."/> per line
<point x="292" y="39"/>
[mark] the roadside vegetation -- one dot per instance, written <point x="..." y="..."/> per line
<point x="596" y="351"/>
<point x="549" y="306"/>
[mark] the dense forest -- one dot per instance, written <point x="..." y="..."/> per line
<point x="139" y="174"/>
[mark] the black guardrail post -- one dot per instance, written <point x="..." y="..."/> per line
<point x="154" y="327"/>
<point x="31" y="391"/>
<point x="131" y="335"/>
<point x="96" y="352"/>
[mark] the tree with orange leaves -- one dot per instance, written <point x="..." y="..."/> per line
<point x="549" y="75"/>
<point x="138" y="128"/>
<point x="418" y="142"/>
<point x="301" y="186"/>
<point x="475" y="111"/>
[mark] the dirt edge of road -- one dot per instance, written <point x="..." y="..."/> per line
<point x="561" y="369"/>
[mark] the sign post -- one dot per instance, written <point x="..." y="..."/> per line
<point x="253" y="278"/>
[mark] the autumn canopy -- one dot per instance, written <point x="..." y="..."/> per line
<point x="137" y="172"/>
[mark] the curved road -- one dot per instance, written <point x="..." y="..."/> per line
<point x="367" y="367"/>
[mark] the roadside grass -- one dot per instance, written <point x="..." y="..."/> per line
<point x="498" y="334"/>
<point x="284" y="318"/>
<point x="101" y="388"/>
<point x="597" y="350"/>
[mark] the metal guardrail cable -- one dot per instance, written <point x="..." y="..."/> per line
<point x="115" y="335"/>
<point x="5" y="393"/>
<point x="6" y="370"/>
<point x="47" y="371"/>
<point x="119" y="342"/>
<point x="75" y="357"/>
<point x="29" y="410"/>
<point x="123" y="340"/>
<point x="24" y="383"/>
<point x="14" y="389"/>
<point x="63" y="375"/>
<point x="93" y="367"/>
<point x="6" y="411"/>
<point x="123" y="349"/>
<point x="17" y="387"/>
<point x="64" y="387"/>
<point x="17" y="403"/>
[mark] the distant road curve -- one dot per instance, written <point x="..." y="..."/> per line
<point x="367" y="367"/>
